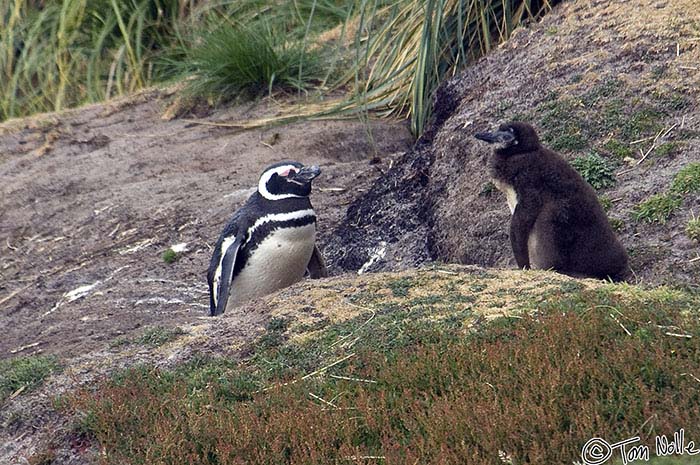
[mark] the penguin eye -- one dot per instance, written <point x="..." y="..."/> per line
<point x="286" y="173"/>
<point x="512" y="131"/>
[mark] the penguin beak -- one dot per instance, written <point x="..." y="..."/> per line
<point x="501" y="137"/>
<point x="307" y="173"/>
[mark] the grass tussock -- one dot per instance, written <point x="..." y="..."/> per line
<point x="660" y="207"/>
<point x="535" y="389"/>
<point x="55" y="55"/>
<point x="251" y="61"/>
<point x="383" y="56"/>
<point x="22" y="374"/>
<point x="412" y="46"/>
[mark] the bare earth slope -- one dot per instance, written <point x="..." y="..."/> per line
<point x="619" y="79"/>
<point x="92" y="198"/>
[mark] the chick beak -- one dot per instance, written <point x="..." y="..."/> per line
<point x="500" y="137"/>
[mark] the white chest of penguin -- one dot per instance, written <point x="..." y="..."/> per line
<point x="279" y="261"/>
<point x="509" y="191"/>
<point x="533" y="243"/>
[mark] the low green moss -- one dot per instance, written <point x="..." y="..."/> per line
<point x="687" y="134"/>
<point x="400" y="287"/>
<point x="642" y="122"/>
<point x="559" y="114"/>
<point x="503" y="107"/>
<point x="658" y="208"/>
<point x="687" y="180"/>
<point x="603" y="91"/>
<point x="158" y="335"/>
<point x="618" y="149"/>
<point x="571" y="142"/>
<point x="25" y="373"/>
<point x="611" y="116"/>
<point x="671" y="101"/>
<point x="154" y="336"/>
<point x="668" y="149"/>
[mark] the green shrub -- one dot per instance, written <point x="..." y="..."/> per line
<point x="169" y="256"/>
<point x="618" y="149"/>
<point x="596" y="170"/>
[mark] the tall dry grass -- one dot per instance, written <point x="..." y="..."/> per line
<point x="389" y="59"/>
<point x="55" y="55"/>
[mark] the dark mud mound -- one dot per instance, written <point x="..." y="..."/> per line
<point x="395" y="209"/>
<point x="610" y="83"/>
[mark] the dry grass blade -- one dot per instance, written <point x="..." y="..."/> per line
<point x="312" y="374"/>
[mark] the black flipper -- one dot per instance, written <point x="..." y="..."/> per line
<point x="317" y="265"/>
<point x="223" y="266"/>
<point x="227" y="265"/>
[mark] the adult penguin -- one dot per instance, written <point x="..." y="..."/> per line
<point x="270" y="243"/>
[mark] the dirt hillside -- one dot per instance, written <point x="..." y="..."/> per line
<point x="91" y="198"/>
<point x="617" y="79"/>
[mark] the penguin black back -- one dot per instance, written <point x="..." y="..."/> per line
<point x="557" y="222"/>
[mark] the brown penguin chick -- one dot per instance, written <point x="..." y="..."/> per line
<point x="557" y="222"/>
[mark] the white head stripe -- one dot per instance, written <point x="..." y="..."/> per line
<point x="262" y="184"/>
<point x="279" y="217"/>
